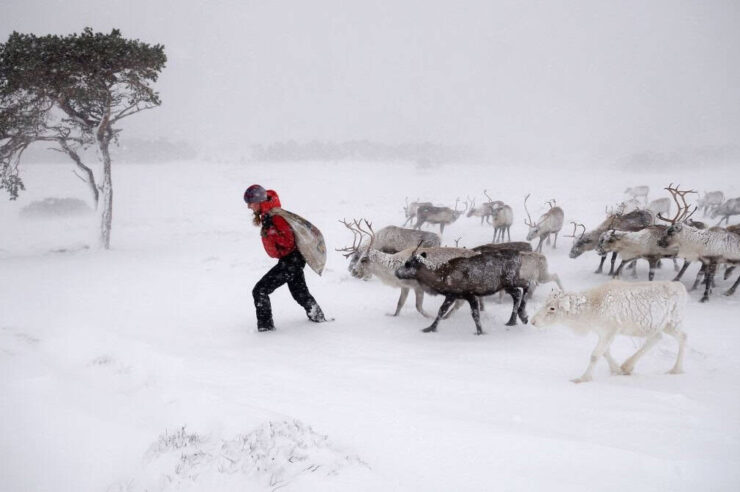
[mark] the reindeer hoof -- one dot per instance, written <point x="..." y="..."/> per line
<point x="580" y="380"/>
<point x="511" y="322"/>
<point x="480" y="332"/>
<point x="704" y="299"/>
<point x="675" y="371"/>
<point x="729" y="292"/>
<point x="429" y="329"/>
<point x="524" y="319"/>
<point x="625" y="370"/>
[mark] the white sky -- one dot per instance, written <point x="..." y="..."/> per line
<point x="559" y="76"/>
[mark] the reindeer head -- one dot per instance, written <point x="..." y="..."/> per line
<point x="580" y="243"/>
<point x="411" y="267"/>
<point x="358" y="252"/>
<point x="559" y="306"/>
<point x="608" y="241"/>
<point x="683" y="214"/>
<point x="457" y="213"/>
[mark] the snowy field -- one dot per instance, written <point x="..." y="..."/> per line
<point x="140" y="368"/>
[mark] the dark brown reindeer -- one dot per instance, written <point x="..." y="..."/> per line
<point x="549" y="223"/>
<point x="438" y="215"/>
<point x="470" y="278"/>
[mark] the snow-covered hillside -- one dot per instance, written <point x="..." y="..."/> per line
<point x="140" y="368"/>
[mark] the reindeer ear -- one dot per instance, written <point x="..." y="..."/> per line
<point x="423" y="254"/>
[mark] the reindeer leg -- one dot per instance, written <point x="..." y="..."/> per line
<point x="539" y="245"/>
<point x="629" y="365"/>
<point x="653" y="263"/>
<point x="709" y="279"/>
<point x="680" y="336"/>
<point x="731" y="290"/>
<point x="686" y="264"/>
<point x="401" y="300"/>
<point x="633" y="267"/>
<point x="419" y="302"/>
<point x="601" y="347"/>
<point x="442" y="309"/>
<point x="481" y="304"/>
<point x="614" y="368"/>
<point x="555" y="243"/>
<point x="516" y="297"/>
<point x="614" y="260"/>
<point x="508" y="232"/>
<point x="675" y="264"/>
<point x="601" y="264"/>
<point x="441" y="229"/>
<point x="548" y="239"/>
<point x="473" y="301"/>
<point x="619" y="270"/>
<point x="522" y="309"/>
<point x="458" y="303"/>
<point x="728" y="271"/>
<point x="699" y="276"/>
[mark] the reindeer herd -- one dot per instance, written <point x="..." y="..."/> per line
<point x="636" y="229"/>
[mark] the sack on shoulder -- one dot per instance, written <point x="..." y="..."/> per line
<point x="308" y="239"/>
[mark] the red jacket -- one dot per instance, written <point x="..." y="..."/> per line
<point x="277" y="236"/>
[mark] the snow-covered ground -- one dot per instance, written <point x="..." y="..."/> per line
<point x="140" y="368"/>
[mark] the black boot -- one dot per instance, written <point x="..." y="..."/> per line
<point x="266" y="327"/>
<point x="315" y="314"/>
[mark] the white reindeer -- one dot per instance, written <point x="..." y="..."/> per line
<point x="710" y="201"/>
<point x="640" y="309"/>
<point x="549" y="223"/>
<point x="710" y="246"/>
<point x="660" y="206"/>
<point x="726" y="209"/>
<point x="638" y="191"/>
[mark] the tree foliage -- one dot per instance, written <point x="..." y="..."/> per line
<point x="72" y="91"/>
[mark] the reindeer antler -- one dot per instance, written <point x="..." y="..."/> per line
<point x="575" y="226"/>
<point x="490" y="200"/>
<point x="356" y="234"/>
<point x="528" y="223"/>
<point x="682" y="214"/>
<point x="551" y="204"/>
<point x="370" y="232"/>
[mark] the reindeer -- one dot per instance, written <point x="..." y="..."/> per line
<point x="587" y="241"/>
<point x="438" y="215"/>
<point x="710" y="246"/>
<point x="642" y="309"/>
<point x="659" y="206"/>
<point x="638" y="191"/>
<point x="631" y="246"/>
<point x="367" y="259"/>
<point x="470" y="278"/>
<point x="628" y="206"/>
<point x="411" y="208"/>
<point x="503" y="218"/>
<point x="549" y="223"/>
<point x="484" y="210"/>
<point x="725" y="209"/>
<point x="710" y="201"/>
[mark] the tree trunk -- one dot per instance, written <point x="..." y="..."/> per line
<point x="89" y="176"/>
<point x="106" y="203"/>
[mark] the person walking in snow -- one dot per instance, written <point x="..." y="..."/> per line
<point x="279" y="231"/>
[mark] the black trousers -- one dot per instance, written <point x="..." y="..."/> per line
<point x="289" y="269"/>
